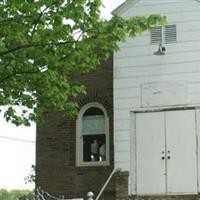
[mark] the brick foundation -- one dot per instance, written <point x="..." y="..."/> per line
<point x="121" y="185"/>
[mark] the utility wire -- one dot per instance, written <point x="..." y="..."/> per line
<point x="16" y="139"/>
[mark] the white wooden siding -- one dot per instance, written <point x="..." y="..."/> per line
<point x="198" y="144"/>
<point x="157" y="60"/>
<point x="187" y="46"/>
<point x="135" y="65"/>
<point x="122" y="146"/>
<point x="122" y="135"/>
<point x="122" y="157"/>
<point x="164" y="8"/>
<point x="121" y="114"/>
<point x="121" y="125"/>
<point x="123" y="165"/>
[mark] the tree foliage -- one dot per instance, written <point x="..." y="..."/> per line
<point x="16" y="194"/>
<point x="44" y="43"/>
<point x="31" y="177"/>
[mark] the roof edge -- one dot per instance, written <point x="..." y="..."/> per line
<point x="122" y="7"/>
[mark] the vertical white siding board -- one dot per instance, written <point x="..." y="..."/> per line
<point x="133" y="159"/>
<point x="198" y="144"/>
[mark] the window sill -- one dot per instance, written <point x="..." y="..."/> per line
<point x="93" y="164"/>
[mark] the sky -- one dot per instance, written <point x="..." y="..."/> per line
<point x="17" y="144"/>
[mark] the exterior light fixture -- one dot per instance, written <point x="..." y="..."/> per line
<point x="161" y="50"/>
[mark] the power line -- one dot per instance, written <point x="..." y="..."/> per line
<point x="16" y="139"/>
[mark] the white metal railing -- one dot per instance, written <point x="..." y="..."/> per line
<point x="42" y="195"/>
<point x="90" y="195"/>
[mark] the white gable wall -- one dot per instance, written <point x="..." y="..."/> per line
<point x="136" y="66"/>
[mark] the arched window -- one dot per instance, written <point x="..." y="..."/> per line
<point x="92" y="141"/>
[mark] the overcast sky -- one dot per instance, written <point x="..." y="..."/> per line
<point x="17" y="154"/>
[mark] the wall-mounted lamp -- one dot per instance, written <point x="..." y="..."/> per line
<point x="161" y="51"/>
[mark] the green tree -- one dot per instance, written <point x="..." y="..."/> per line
<point x="3" y="194"/>
<point x="31" y="177"/>
<point x="16" y="194"/>
<point x="44" y="43"/>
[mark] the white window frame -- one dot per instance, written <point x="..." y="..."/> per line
<point x="79" y="137"/>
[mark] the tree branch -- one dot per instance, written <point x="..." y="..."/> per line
<point x="66" y="56"/>
<point x="32" y="45"/>
<point x="18" y="73"/>
<point x="38" y="19"/>
<point x="16" y="18"/>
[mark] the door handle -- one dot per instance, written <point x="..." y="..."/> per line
<point x="168" y="157"/>
<point x="163" y="157"/>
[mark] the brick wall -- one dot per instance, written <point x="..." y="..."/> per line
<point x="56" y="143"/>
<point x="121" y="185"/>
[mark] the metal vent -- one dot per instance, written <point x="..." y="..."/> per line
<point x="156" y="35"/>
<point x="170" y="34"/>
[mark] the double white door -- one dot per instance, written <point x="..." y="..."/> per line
<point x="166" y="153"/>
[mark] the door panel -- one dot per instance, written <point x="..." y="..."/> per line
<point x="181" y="144"/>
<point x="150" y="143"/>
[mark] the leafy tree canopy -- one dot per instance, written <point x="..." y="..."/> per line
<point x="16" y="194"/>
<point x="43" y="43"/>
<point x="31" y="177"/>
